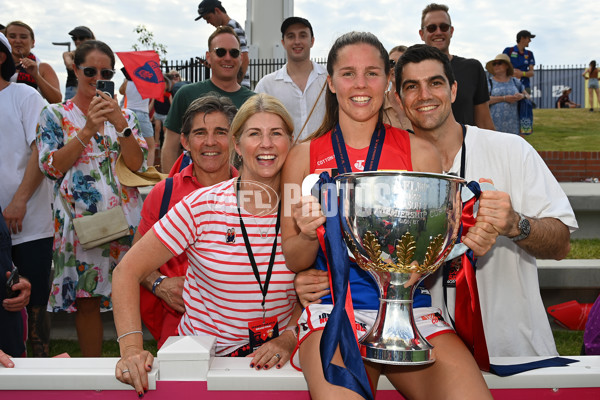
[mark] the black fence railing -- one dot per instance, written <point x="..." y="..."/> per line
<point x="547" y="83"/>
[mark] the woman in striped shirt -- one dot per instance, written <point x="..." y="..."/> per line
<point x="237" y="286"/>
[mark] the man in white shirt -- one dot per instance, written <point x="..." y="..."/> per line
<point x="25" y="195"/>
<point x="300" y="83"/>
<point x="529" y="210"/>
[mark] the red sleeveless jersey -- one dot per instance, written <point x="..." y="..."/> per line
<point x="394" y="156"/>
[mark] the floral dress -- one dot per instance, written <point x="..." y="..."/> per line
<point x="505" y="115"/>
<point x="88" y="187"/>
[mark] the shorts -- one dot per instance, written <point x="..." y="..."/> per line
<point x="34" y="261"/>
<point x="429" y="320"/>
<point x="146" y="128"/>
<point x="593" y="83"/>
<point x="160" y="117"/>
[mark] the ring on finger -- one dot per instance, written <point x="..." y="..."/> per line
<point x="277" y="356"/>
<point x="125" y="370"/>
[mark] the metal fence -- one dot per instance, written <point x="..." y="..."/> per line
<point x="547" y="83"/>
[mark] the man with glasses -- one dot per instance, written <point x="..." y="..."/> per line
<point x="225" y="59"/>
<point x="471" y="106"/>
<point x="79" y="35"/>
<point x="300" y="83"/>
<point x="213" y="12"/>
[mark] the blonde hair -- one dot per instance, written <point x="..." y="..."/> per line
<point x="260" y="102"/>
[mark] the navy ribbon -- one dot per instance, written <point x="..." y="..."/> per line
<point x="373" y="155"/>
<point x="338" y="330"/>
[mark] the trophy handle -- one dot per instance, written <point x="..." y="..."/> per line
<point x="466" y="194"/>
<point x="309" y="183"/>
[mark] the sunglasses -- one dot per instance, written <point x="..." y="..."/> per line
<point x="79" y="38"/>
<point x="433" y="27"/>
<point x="220" y="52"/>
<point x="497" y="63"/>
<point x="90" y="72"/>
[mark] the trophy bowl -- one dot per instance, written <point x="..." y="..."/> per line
<point x="396" y="224"/>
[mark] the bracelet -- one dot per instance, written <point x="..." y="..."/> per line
<point x="524" y="74"/>
<point x="81" y="141"/>
<point x="504" y="98"/>
<point x="128" y="333"/>
<point x="294" y="330"/>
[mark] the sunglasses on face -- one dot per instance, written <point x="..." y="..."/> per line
<point x="90" y="72"/>
<point x="79" y="38"/>
<point x="220" y="52"/>
<point x="433" y="27"/>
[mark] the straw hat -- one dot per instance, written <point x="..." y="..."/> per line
<point x="500" y="57"/>
<point x="134" y="179"/>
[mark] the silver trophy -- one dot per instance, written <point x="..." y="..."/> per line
<point x="396" y="225"/>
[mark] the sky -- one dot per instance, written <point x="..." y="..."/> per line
<point x="566" y="33"/>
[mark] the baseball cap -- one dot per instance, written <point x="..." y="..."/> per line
<point x="523" y="34"/>
<point x="8" y="66"/>
<point x="295" y="20"/>
<point x="82" y="31"/>
<point x="207" y="6"/>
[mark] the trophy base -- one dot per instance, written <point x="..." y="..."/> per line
<point x="397" y="357"/>
<point x="394" y="338"/>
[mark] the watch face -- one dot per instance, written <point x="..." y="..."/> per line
<point x="127" y="132"/>
<point x="525" y="227"/>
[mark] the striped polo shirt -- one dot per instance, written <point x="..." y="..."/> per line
<point x="221" y="294"/>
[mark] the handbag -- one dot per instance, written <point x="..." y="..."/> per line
<point x="102" y="227"/>
<point x="525" y="107"/>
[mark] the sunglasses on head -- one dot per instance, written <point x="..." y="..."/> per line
<point x="79" y="38"/>
<point x="220" y="52"/>
<point x="433" y="27"/>
<point x="90" y="72"/>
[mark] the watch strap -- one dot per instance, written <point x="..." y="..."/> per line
<point x="126" y="132"/>
<point x="523" y="233"/>
<point x="157" y="282"/>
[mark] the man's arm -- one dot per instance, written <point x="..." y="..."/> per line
<point x="170" y="150"/>
<point x="549" y="237"/>
<point x="483" y="117"/>
<point x="16" y="209"/>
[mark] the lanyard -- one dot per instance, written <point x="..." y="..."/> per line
<point x="341" y="155"/>
<point x="263" y="288"/>
<point x="463" y="156"/>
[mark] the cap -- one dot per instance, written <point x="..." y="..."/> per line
<point x="8" y="66"/>
<point x="207" y="6"/>
<point x="82" y="31"/>
<point x="295" y="20"/>
<point x="523" y="34"/>
<point x="500" y="57"/>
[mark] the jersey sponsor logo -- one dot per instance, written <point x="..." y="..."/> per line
<point x="359" y="165"/>
<point x="326" y="159"/>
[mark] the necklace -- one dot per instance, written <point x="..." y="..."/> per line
<point x="263" y="231"/>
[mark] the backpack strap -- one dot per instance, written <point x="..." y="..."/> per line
<point x="164" y="205"/>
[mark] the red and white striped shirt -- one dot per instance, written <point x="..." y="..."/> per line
<point x="221" y="294"/>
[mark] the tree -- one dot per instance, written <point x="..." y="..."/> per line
<point x="146" y="39"/>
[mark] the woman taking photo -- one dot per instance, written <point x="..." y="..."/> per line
<point x="237" y="277"/>
<point x="358" y="68"/>
<point x="505" y="93"/>
<point x="30" y="70"/>
<point x="79" y="142"/>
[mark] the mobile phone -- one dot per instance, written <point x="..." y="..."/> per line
<point x="107" y="87"/>
<point x="12" y="279"/>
